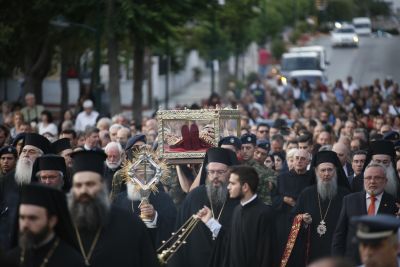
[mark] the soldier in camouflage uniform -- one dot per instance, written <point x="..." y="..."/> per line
<point x="267" y="176"/>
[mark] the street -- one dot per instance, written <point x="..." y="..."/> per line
<point x="375" y="58"/>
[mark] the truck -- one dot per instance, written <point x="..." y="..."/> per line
<point x="362" y="25"/>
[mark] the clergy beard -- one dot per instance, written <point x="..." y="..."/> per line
<point x="91" y="214"/>
<point x="217" y="195"/>
<point x="23" y="171"/>
<point x="113" y="165"/>
<point x="327" y="190"/>
<point x="391" y="185"/>
<point x="28" y="240"/>
<point x="133" y="193"/>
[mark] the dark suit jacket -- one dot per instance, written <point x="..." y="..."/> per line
<point x="357" y="185"/>
<point x="355" y="205"/>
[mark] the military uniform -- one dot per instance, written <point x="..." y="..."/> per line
<point x="267" y="180"/>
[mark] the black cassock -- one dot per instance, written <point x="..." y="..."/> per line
<point x="200" y="244"/>
<point x="63" y="256"/>
<point x="319" y="246"/>
<point x="289" y="184"/>
<point x="124" y="241"/>
<point x="165" y="208"/>
<point x="250" y="241"/>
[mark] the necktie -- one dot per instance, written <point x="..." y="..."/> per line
<point x="371" y="208"/>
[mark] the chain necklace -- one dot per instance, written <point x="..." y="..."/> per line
<point x="321" y="228"/>
<point x="48" y="256"/>
<point x="89" y="255"/>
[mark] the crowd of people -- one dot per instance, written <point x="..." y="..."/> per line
<point x="313" y="169"/>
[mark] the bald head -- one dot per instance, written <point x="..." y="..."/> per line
<point x="342" y="152"/>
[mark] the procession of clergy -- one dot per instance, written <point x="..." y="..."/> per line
<point x="56" y="212"/>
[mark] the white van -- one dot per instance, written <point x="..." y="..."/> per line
<point x="320" y="50"/>
<point x="362" y="25"/>
<point x="298" y="61"/>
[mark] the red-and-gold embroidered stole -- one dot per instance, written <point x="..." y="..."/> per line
<point x="297" y="222"/>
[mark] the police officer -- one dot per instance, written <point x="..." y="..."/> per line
<point x="378" y="241"/>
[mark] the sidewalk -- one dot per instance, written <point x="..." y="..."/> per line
<point x="194" y="93"/>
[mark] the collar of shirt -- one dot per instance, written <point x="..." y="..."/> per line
<point x="378" y="197"/>
<point x="248" y="201"/>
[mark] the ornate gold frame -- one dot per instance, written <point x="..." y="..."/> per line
<point x="216" y="116"/>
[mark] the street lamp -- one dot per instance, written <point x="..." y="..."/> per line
<point x="213" y="50"/>
<point x="61" y="22"/>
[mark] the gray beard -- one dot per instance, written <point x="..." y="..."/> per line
<point x="113" y="166"/>
<point x="217" y="195"/>
<point x="23" y="171"/>
<point x="92" y="214"/>
<point x="133" y="194"/>
<point x="391" y="185"/>
<point x="327" y="190"/>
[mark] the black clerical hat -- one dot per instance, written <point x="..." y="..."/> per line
<point x="38" y="141"/>
<point x="220" y="155"/>
<point x="53" y="200"/>
<point x="248" y="139"/>
<point x="87" y="160"/>
<point x="230" y="140"/>
<point x="61" y="145"/>
<point x="8" y="150"/>
<point x="49" y="162"/>
<point x="382" y="147"/>
<point x="134" y="139"/>
<point x="326" y="156"/>
<point x="375" y="228"/>
<point x="40" y="195"/>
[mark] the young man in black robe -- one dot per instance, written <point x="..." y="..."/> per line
<point x="199" y="245"/>
<point x="249" y="241"/>
<point x="320" y="205"/>
<point x="45" y="230"/>
<point x="160" y="209"/>
<point x="284" y="198"/>
<point x="107" y="235"/>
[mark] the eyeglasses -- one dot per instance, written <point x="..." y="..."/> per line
<point x="219" y="172"/>
<point x="263" y="131"/>
<point x="369" y="178"/>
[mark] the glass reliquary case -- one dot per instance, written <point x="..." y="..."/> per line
<point x="185" y="135"/>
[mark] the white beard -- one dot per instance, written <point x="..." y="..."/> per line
<point x="133" y="193"/>
<point x="327" y="190"/>
<point x="391" y="185"/>
<point x="23" y="171"/>
<point x="112" y="165"/>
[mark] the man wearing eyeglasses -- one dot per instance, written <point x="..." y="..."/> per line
<point x="374" y="200"/>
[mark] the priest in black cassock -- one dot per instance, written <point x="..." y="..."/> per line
<point x="160" y="209"/>
<point x="201" y="242"/>
<point x="107" y="235"/>
<point x="250" y="239"/>
<point x="320" y="205"/>
<point x="45" y="230"/>
<point x="285" y="195"/>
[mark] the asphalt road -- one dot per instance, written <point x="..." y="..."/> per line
<point x="374" y="58"/>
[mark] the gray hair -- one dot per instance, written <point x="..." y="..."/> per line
<point x="115" y="126"/>
<point x="375" y="165"/>
<point x="114" y="145"/>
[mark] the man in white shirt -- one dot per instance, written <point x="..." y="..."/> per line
<point x="349" y="85"/>
<point x="87" y="117"/>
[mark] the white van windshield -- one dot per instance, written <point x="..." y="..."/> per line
<point x="300" y="63"/>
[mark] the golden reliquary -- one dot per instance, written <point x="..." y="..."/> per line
<point x="185" y="135"/>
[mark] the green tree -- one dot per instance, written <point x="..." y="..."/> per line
<point x="340" y="10"/>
